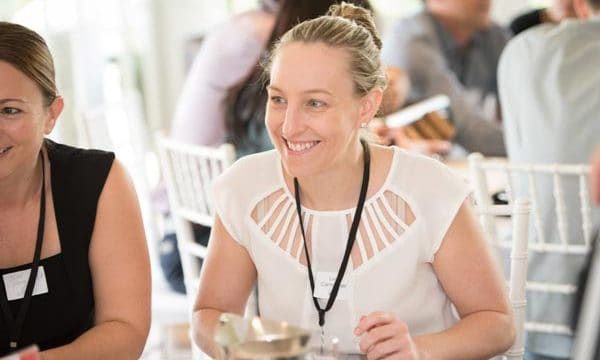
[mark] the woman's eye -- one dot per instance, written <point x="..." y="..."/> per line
<point x="9" y="111"/>
<point x="277" y="100"/>
<point x="315" y="103"/>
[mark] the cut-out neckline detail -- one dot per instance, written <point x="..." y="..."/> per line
<point x="385" y="218"/>
<point x="351" y="210"/>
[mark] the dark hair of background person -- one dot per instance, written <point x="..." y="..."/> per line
<point x="594" y="4"/>
<point x="246" y="102"/>
<point x="28" y="52"/>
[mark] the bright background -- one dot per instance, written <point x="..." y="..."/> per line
<point x="120" y="67"/>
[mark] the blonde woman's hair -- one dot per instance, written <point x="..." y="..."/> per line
<point x="348" y="27"/>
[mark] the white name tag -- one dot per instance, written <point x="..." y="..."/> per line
<point x="15" y="283"/>
<point x="324" y="283"/>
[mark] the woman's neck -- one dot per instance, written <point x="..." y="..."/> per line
<point x="338" y="187"/>
<point x="22" y="187"/>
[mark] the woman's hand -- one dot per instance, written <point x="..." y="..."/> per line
<point x="385" y="336"/>
<point x="424" y="146"/>
<point x="397" y="136"/>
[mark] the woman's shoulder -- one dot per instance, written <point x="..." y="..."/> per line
<point x="63" y="153"/>
<point x="235" y="192"/>
<point x="77" y="170"/>
<point x="253" y="171"/>
<point x="419" y="173"/>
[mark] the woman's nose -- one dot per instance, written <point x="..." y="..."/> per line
<point x="292" y="123"/>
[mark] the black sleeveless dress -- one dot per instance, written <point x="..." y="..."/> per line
<point x="67" y="310"/>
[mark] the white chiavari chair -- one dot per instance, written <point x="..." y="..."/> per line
<point x="189" y="171"/>
<point x="519" y="212"/>
<point x="587" y="340"/>
<point x="541" y="181"/>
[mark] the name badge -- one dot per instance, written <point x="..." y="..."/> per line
<point x="324" y="283"/>
<point x="15" y="283"/>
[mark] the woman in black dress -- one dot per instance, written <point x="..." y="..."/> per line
<point x="75" y="277"/>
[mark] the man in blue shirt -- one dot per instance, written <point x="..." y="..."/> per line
<point x="453" y="48"/>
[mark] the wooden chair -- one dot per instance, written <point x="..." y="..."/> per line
<point x="530" y="176"/>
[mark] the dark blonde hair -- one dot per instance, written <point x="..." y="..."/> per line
<point x="27" y="51"/>
<point x="348" y="27"/>
<point x="245" y="102"/>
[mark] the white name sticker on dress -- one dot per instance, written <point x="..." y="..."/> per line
<point x="324" y="283"/>
<point x="15" y="283"/>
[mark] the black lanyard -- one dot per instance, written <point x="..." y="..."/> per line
<point x="349" y="244"/>
<point x="15" y="327"/>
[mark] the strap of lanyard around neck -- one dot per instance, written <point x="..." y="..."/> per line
<point x="16" y="327"/>
<point x="351" y="236"/>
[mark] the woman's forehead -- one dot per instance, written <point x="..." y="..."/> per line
<point x="301" y="65"/>
<point x="14" y="83"/>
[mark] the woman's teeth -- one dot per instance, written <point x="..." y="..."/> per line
<point x="300" y="146"/>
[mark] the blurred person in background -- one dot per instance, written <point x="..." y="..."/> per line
<point x="224" y="97"/>
<point x="452" y="48"/>
<point x="549" y="86"/>
<point x="75" y="275"/>
<point x="555" y="13"/>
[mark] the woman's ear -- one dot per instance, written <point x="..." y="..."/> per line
<point x="370" y="105"/>
<point x="54" y="111"/>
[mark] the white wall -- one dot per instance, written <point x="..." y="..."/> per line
<point x="176" y="21"/>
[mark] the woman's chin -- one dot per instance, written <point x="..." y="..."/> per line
<point x="298" y="170"/>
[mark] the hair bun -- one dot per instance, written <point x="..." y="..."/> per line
<point x="359" y="15"/>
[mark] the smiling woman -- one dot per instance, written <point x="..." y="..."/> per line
<point x="313" y="114"/>
<point x="69" y="225"/>
<point x="369" y="243"/>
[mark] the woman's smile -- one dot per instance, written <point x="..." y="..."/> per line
<point x="300" y="147"/>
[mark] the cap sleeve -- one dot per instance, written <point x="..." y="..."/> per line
<point x="235" y="192"/>
<point x="226" y="202"/>
<point x="435" y="193"/>
<point x="442" y="204"/>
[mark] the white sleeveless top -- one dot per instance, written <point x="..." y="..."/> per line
<point x="390" y="270"/>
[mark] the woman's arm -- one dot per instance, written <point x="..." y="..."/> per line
<point x="120" y="270"/>
<point x="467" y="272"/>
<point x="228" y="275"/>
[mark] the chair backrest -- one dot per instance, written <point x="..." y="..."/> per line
<point x="189" y="171"/>
<point x="519" y="212"/>
<point x="587" y="340"/>
<point x="541" y="181"/>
